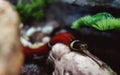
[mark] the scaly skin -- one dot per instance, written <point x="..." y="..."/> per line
<point x="65" y="38"/>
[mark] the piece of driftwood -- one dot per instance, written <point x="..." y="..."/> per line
<point x="11" y="56"/>
<point x="69" y="62"/>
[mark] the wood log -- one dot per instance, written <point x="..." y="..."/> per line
<point x="11" y="56"/>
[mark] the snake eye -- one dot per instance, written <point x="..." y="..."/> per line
<point x="75" y="45"/>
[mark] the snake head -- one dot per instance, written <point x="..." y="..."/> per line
<point x="77" y="45"/>
<point x="64" y="37"/>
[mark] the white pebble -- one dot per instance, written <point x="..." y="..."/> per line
<point x="47" y="29"/>
<point x="21" y="25"/>
<point x="39" y="29"/>
<point x="37" y="45"/>
<point x="45" y="39"/>
<point x="26" y="37"/>
<point x="25" y="42"/>
<point x="30" y="31"/>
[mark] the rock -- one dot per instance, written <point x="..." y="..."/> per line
<point x="68" y="62"/>
<point x="92" y="3"/>
<point x="46" y="39"/>
<point x="30" y="31"/>
<point x="36" y="37"/>
<point x="36" y="65"/>
<point x="47" y="29"/>
<point x="25" y="42"/>
<point x="11" y="56"/>
<point x="68" y="15"/>
<point x="30" y="69"/>
<point x="37" y="45"/>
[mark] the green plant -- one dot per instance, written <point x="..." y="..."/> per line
<point x="33" y="9"/>
<point x="107" y="24"/>
<point x="100" y="21"/>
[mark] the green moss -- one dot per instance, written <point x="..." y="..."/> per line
<point x="107" y="24"/>
<point x="100" y="21"/>
<point x="33" y="9"/>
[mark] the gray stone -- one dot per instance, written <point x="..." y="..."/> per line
<point x="106" y="3"/>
